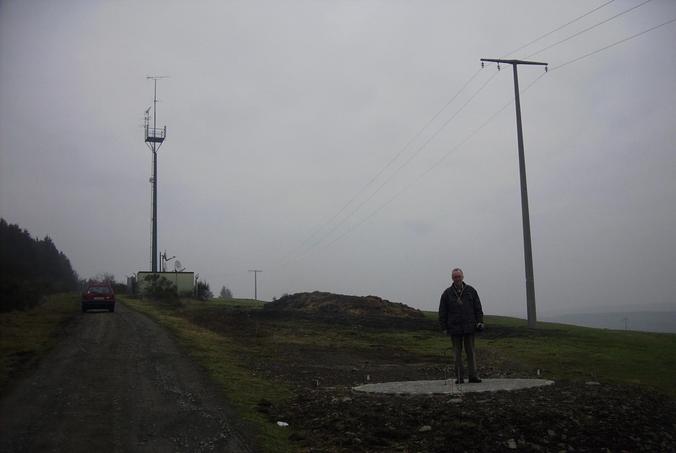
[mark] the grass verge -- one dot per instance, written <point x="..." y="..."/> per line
<point x="26" y="336"/>
<point x="220" y="356"/>
<point x="564" y="351"/>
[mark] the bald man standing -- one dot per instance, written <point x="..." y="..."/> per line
<point x="460" y="315"/>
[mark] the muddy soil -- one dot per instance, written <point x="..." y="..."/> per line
<point x="117" y="382"/>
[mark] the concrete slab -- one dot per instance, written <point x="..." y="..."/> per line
<point x="450" y="387"/>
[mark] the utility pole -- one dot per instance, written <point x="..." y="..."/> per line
<point x="255" y="272"/>
<point x="527" y="247"/>
<point x="154" y="138"/>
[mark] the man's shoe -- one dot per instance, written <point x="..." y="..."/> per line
<point x="474" y="380"/>
<point x="459" y="381"/>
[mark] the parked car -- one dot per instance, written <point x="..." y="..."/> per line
<point x="98" y="295"/>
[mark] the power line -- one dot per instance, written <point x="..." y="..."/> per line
<point x="404" y="164"/>
<point x="430" y="169"/>
<point x="558" y="28"/>
<point x="485" y="123"/>
<point x="427" y="142"/>
<point x="322" y="226"/>
<point x="317" y="229"/>
<point x="588" y="28"/>
<point x="612" y="45"/>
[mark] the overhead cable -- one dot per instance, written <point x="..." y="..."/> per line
<point x="404" y="164"/>
<point x="472" y="134"/>
<point x="485" y="123"/>
<point x="557" y="29"/>
<point x="612" y="45"/>
<point x="317" y="229"/>
<point x="588" y="28"/>
<point x="436" y="164"/>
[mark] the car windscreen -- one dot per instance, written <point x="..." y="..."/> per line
<point x="99" y="290"/>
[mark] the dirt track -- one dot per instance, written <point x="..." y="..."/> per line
<point x="117" y="382"/>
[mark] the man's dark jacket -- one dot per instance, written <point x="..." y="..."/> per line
<point x="460" y="319"/>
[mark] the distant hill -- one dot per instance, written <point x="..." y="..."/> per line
<point x="646" y="321"/>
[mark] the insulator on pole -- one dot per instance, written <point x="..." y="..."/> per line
<point x="498" y="66"/>
<point x="546" y="68"/>
<point x="482" y="65"/>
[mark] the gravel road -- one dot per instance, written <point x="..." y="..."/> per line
<point x="117" y="382"/>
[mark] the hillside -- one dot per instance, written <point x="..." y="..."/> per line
<point x="613" y="389"/>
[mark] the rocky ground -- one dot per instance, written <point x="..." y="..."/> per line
<point x="562" y="417"/>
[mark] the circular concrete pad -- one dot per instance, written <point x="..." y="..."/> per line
<point x="450" y="387"/>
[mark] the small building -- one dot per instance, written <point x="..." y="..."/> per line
<point x="184" y="281"/>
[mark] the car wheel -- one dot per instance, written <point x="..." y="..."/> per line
<point x="84" y="310"/>
<point x="111" y="309"/>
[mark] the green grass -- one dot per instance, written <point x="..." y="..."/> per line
<point x="244" y="304"/>
<point x="559" y="351"/>
<point x="26" y="336"/>
<point x="221" y="357"/>
<point x="564" y="351"/>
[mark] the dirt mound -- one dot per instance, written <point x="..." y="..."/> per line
<point x="328" y="303"/>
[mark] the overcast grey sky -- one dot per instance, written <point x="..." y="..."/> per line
<point x="279" y="112"/>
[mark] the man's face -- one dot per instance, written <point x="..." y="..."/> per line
<point x="457" y="277"/>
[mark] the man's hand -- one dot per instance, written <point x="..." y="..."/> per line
<point x="445" y="332"/>
<point x="480" y="326"/>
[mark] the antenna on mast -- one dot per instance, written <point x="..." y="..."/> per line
<point x="154" y="138"/>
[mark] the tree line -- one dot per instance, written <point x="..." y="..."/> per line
<point x="30" y="268"/>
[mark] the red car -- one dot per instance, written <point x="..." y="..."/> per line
<point x="98" y="295"/>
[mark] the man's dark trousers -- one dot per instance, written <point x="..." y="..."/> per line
<point x="468" y="341"/>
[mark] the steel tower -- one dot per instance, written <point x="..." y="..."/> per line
<point x="154" y="137"/>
